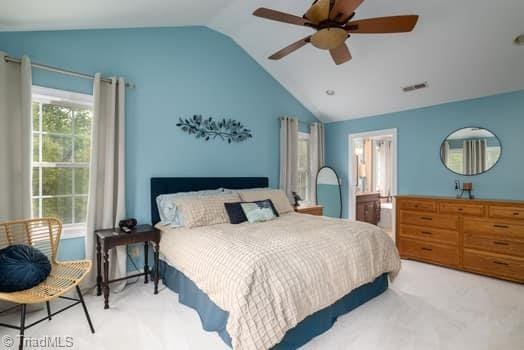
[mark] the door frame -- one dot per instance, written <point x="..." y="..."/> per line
<point x="352" y="174"/>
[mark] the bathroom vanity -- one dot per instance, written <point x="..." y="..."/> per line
<point x="368" y="207"/>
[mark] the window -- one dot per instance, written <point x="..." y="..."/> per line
<point x="456" y="160"/>
<point x="492" y="156"/>
<point x="61" y="153"/>
<point x="304" y="178"/>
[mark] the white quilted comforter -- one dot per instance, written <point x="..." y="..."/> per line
<point x="270" y="276"/>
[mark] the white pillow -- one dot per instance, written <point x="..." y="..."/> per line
<point x="278" y="197"/>
<point x="167" y="208"/>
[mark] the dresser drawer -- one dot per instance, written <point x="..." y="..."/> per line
<point x="429" y="206"/>
<point x="429" y="233"/>
<point x="494" y="264"/>
<point x="494" y="244"/>
<point x="506" y="212"/>
<point x="440" y="254"/>
<point x="449" y="222"/>
<point x="494" y="228"/>
<point x="462" y="208"/>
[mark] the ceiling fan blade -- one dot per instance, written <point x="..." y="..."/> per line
<point x="280" y="16"/>
<point x="319" y="11"/>
<point x="341" y="54"/>
<point x="289" y="49"/>
<point x="393" y="24"/>
<point x="343" y="9"/>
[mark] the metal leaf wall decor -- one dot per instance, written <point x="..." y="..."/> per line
<point x="209" y="129"/>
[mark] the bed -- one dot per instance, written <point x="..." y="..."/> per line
<point x="271" y="285"/>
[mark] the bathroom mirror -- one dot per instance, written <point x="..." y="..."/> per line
<point x="329" y="193"/>
<point x="470" y="151"/>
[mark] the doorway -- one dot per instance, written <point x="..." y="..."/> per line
<point x="372" y="175"/>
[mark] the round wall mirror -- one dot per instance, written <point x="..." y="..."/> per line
<point x="470" y="151"/>
<point x="329" y="194"/>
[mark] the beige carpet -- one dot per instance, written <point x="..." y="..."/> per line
<point x="427" y="308"/>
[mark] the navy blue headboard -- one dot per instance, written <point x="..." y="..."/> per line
<point x="166" y="185"/>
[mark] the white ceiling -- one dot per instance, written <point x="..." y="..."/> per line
<point x="463" y="49"/>
<point x="77" y="14"/>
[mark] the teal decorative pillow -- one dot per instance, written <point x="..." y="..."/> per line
<point x="259" y="211"/>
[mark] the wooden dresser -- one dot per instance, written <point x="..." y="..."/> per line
<point x="480" y="236"/>
<point x="368" y="207"/>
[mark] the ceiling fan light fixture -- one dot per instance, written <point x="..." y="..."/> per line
<point x="332" y="21"/>
<point x="519" y="40"/>
<point x="329" y="38"/>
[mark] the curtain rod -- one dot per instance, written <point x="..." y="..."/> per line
<point x="63" y="71"/>
<point x="298" y="120"/>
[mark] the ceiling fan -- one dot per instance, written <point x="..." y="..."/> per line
<point x="333" y="21"/>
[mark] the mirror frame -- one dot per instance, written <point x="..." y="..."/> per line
<point x="339" y="187"/>
<point x="470" y="127"/>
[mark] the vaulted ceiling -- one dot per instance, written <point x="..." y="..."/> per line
<point x="463" y="49"/>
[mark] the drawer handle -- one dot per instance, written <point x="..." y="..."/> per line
<point x="426" y="218"/>
<point x="426" y="232"/>
<point x="501" y="226"/>
<point x="500" y="243"/>
<point x="501" y="263"/>
<point x="516" y="214"/>
<point x="427" y="249"/>
<point x="460" y="209"/>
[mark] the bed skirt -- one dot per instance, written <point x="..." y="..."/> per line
<point x="214" y="319"/>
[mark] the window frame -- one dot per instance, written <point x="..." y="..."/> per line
<point x="457" y="152"/>
<point x="67" y="99"/>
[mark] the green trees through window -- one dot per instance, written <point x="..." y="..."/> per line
<point x="61" y="152"/>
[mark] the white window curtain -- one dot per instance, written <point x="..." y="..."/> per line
<point x="366" y="171"/>
<point x="316" y="155"/>
<point x="474" y="156"/>
<point x="288" y="155"/>
<point x="444" y="152"/>
<point x="385" y="159"/>
<point x="15" y="139"/>
<point x="106" y="201"/>
<point x="15" y="142"/>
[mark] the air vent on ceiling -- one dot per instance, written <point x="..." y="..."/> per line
<point x="415" y="87"/>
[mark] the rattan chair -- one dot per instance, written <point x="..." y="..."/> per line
<point x="43" y="234"/>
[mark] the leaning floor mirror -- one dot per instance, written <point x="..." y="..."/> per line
<point x="329" y="194"/>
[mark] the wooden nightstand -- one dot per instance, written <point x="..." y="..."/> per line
<point x="317" y="210"/>
<point x="110" y="238"/>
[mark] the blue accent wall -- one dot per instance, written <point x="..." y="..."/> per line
<point x="178" y="72"/>
<point x="420" y="134"/>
